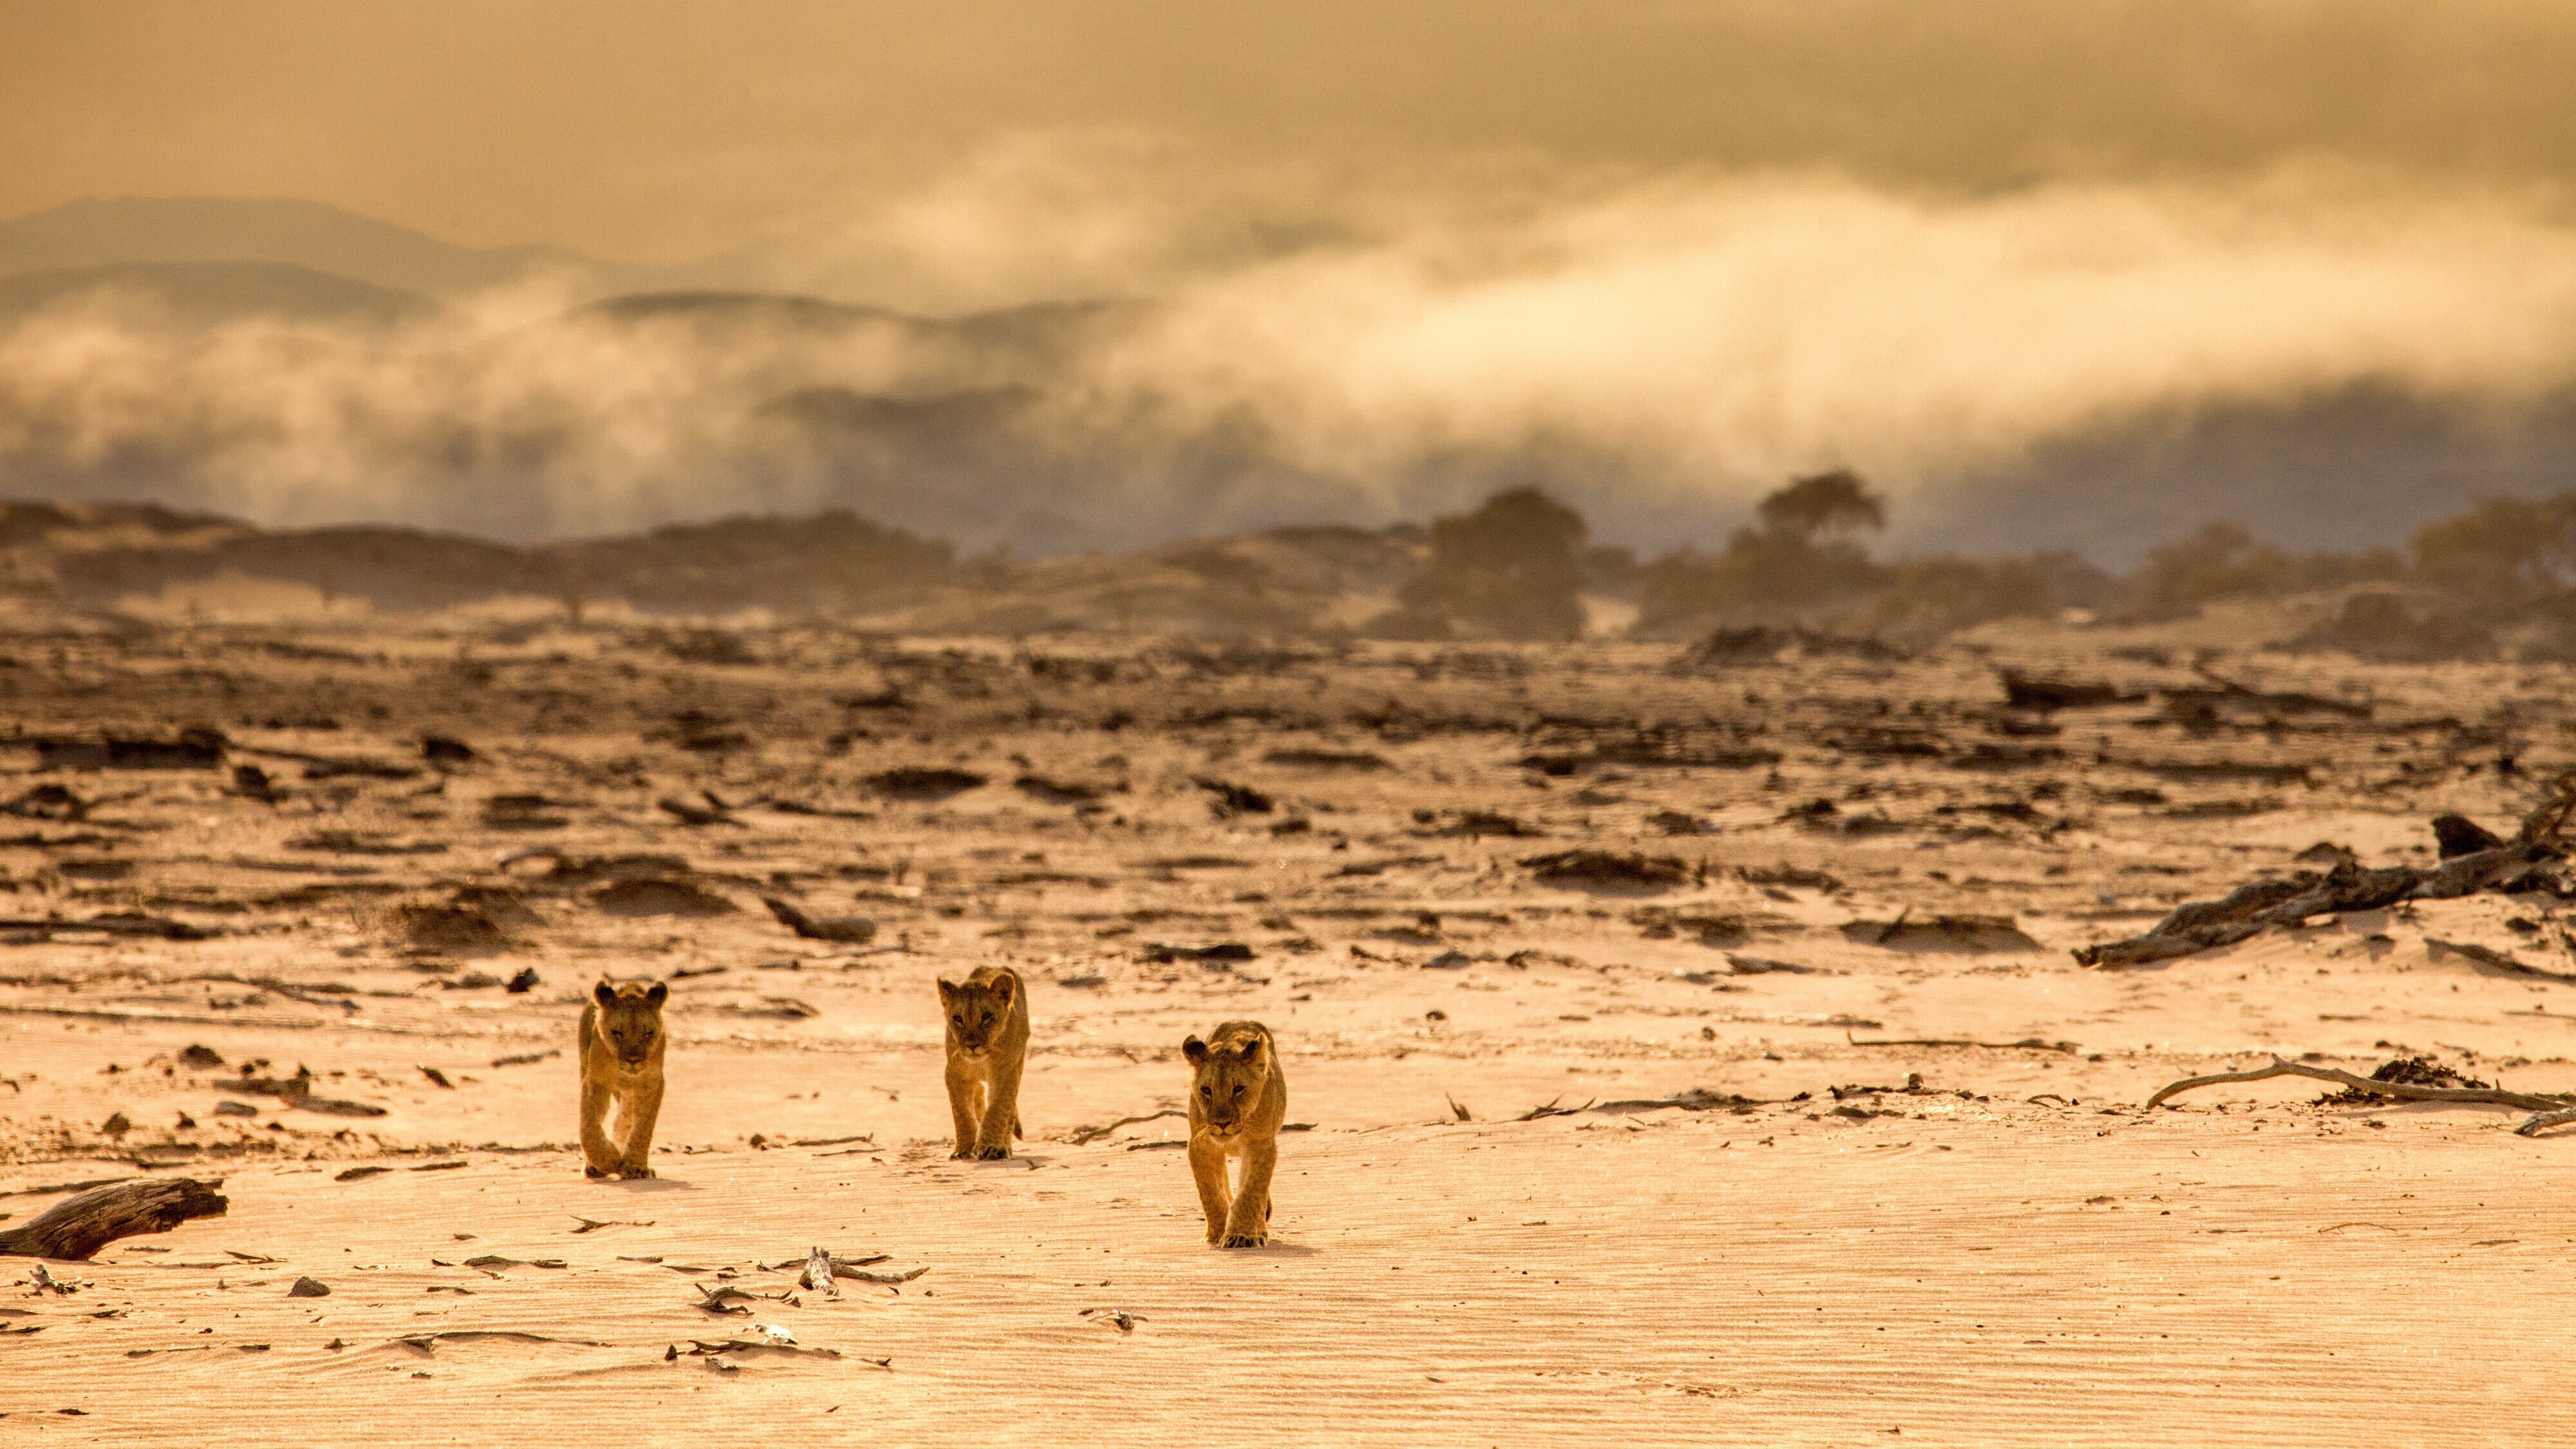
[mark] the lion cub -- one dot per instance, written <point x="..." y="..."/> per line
<point x="988" y="1044"/>
<point x="1238" y="1098"/>
<point x="621" y="1062"/>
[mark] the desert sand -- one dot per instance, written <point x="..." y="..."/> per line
<point x="1623" y="1162"/>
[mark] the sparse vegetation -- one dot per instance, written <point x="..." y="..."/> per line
<point x="1800" y="563"/>
<point x="1513" y="569"/>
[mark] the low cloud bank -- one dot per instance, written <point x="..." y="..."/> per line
<point x="2098" y="366"/>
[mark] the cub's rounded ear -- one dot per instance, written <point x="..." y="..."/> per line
<point x="604" y="993"/>
<point x="656" y="994"/>
<point x="1003" y="986"/>
<point x="1195" y="1050"/>
<point x="1250" y="1051"/>
<point x="947" y="989"/>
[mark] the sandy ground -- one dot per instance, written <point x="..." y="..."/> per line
<point x="2012" y="1252"/>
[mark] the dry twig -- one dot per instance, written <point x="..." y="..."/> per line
<point x="2028" y="1043"/>
<point x="1083" y="1135"/>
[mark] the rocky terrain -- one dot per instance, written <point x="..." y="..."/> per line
<point x="1686" y="1043"/>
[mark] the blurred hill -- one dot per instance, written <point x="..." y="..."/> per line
<point x="96" y="232"/>
<point x="837" y="565"/>
<point x="202" y="294"/>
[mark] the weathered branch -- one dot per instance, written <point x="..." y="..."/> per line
<point x="1082" y="1135"/>
<point x="2491" y="960"/>
<point x="2495" y="1096"/>
<point x="76" y="1229"/>
<point x="2028" y="1043"/>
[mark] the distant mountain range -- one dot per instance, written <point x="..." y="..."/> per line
<point x="206" y="294"/>
<point x="154" y="231"/>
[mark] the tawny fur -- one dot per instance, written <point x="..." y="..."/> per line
<point x="1238" y="1099"/>
<point x="988" y="1046"/>
<point x="621" y="1065"/>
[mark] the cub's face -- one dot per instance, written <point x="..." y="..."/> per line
<point x="630" y="1017"/>
<point x="1226" y="1080"/>
<point x="976" y="1013"/>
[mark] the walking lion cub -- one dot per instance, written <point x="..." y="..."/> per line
<point x="1238" y="1099"/>
<point x="988" y="1046"/>
<point x="621" y="1063"/>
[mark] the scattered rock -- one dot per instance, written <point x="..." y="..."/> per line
<point x="1326" y="760"/>
<point x="1477" y="824"/>
<point x="2413" y="1071"/>
<point x="2026" y="691"/>
<point x="47" y="802"/>
<point x="445" y="750"/>
<point x="195" y="748"/>
<point x="1660" y="923"/>
<point x="1610" y="870"/>
<point x="1954" y="933"/>
<point x="659" y="897"/>
<point x="849" y="930"/>
<point x="1059" y="792"/>
<point x="1232" y="800"/>
<point x="523" y="812"/>
<point x="1156" y="954"/>
<point x="450" y="927"/>
<point x="924" y="785"/>
<point x="2458" y="835"/>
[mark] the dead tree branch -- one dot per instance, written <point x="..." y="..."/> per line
<point x="1082" y="1135"/>
<point x="75" y="1229"/>
<point x="2493" y="1096"/>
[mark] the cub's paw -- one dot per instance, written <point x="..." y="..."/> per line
<point x="635" y="1173"/>
<point x="992" y="1154"/>
<point x="962" y="1154"/>
<point x="1243" y="1240"/>
<point x="593" y="1172"/>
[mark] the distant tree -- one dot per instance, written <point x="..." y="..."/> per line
<point x="2502" y="545"/>
<point x="2224" y="560"/>
<point x="1822" y="505"/>
<point x="1793" y="559"/>
<point x="1513" y="569"/>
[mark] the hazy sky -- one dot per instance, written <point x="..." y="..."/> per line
<point x="2079" y="273"/>
<point x="654" y="130"/>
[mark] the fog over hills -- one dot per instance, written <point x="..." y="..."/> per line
<point x="2071" y="369"/>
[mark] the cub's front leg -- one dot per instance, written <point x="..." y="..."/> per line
<point x="1248" y="1224"/>
<point x="1001" y="1112"/>
<point x="965" y="1093"/>
<point x="643" y="1107"/>
<point x="1207" y="1165"/>
<point x="598" y="1155"/>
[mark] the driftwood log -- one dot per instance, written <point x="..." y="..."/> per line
<point x="2287" y="900"/>
<point x="75" y="1229"/>
<point x="2550" y="1110"/>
